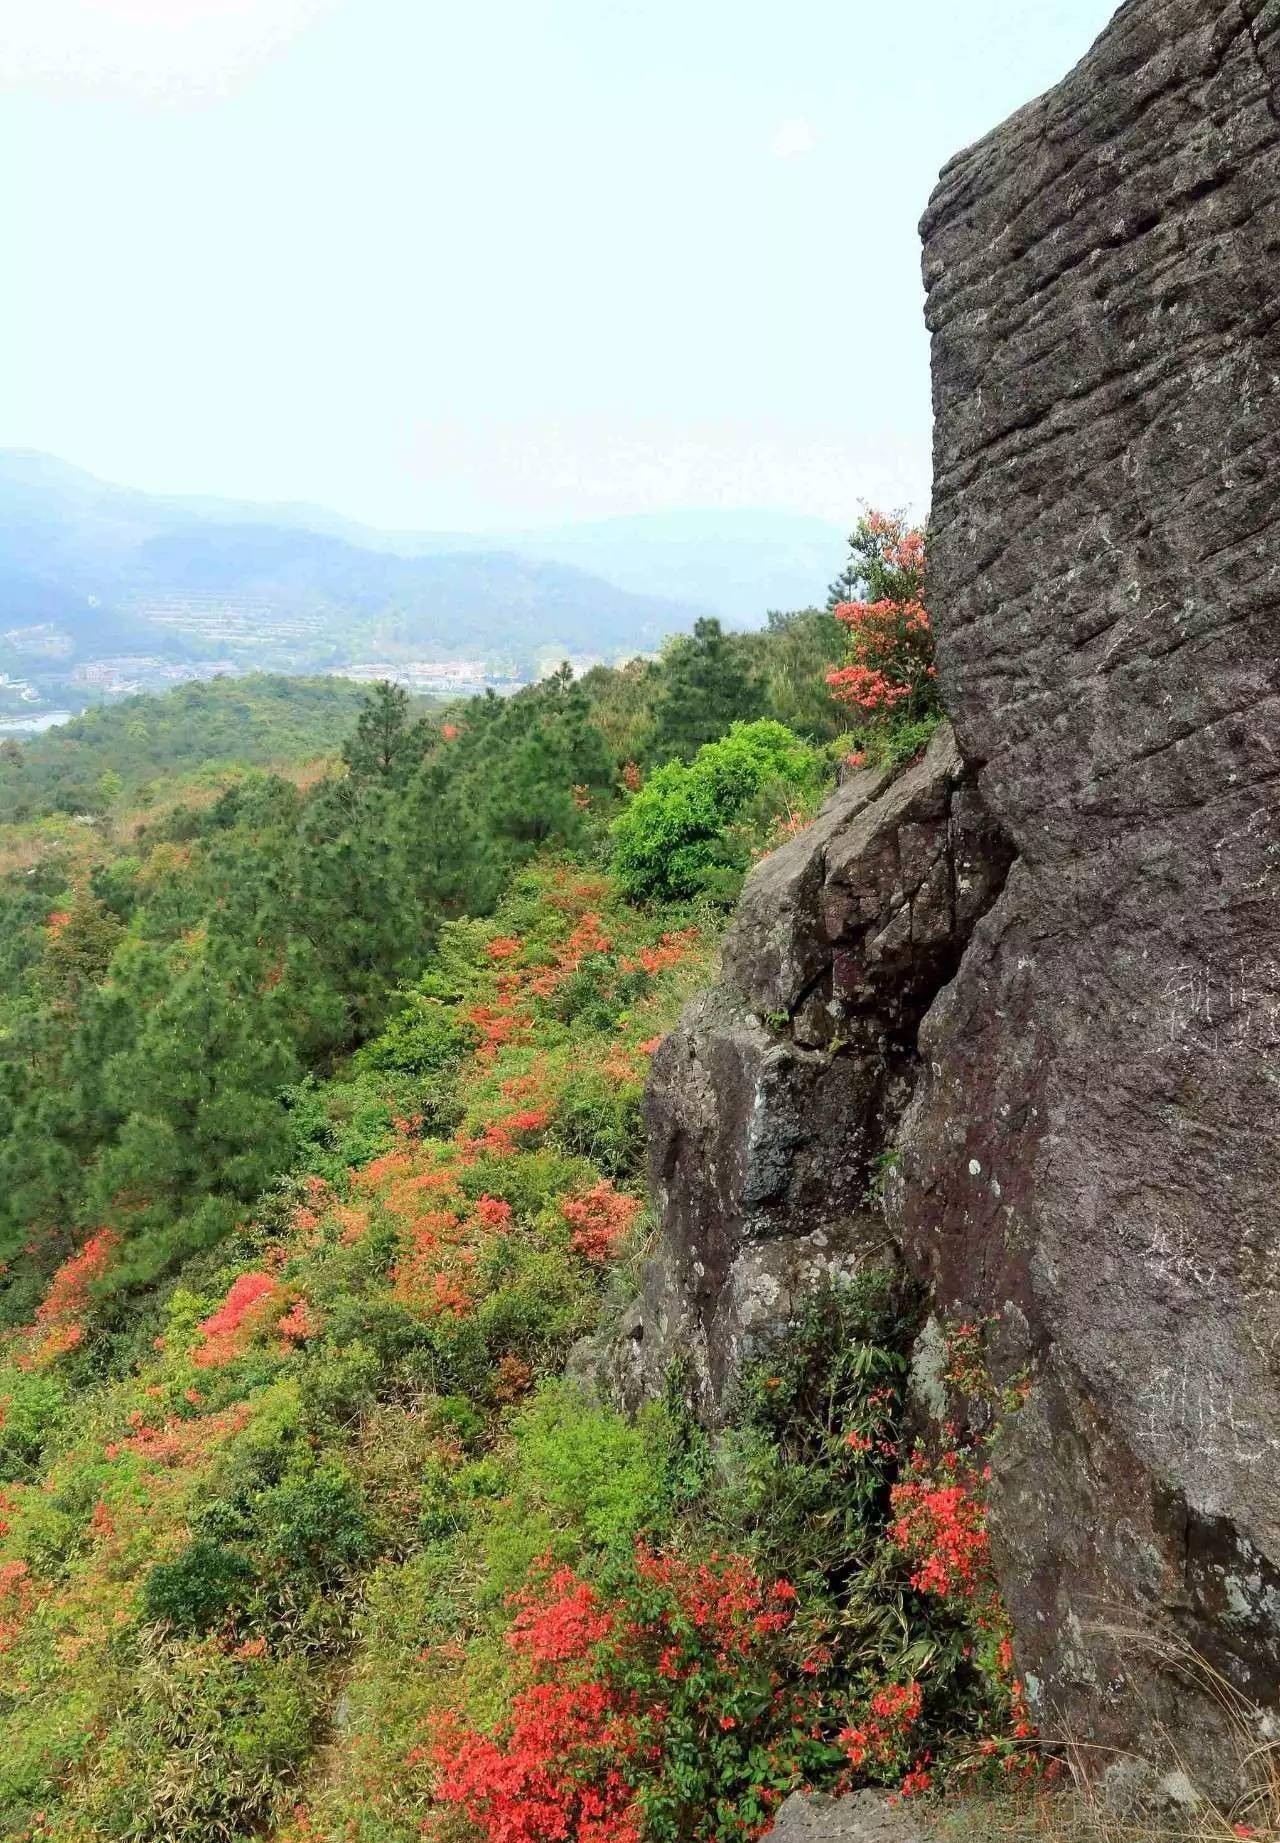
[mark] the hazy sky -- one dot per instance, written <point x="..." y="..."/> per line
<point x="486" y="262"/>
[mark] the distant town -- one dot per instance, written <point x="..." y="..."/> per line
<point x="57" y="689"/>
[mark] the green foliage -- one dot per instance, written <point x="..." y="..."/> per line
<point x="674" y="835"/>
<point x="154" y="1043"/>
<point x="206" y="1747"/>
<point x="425" y="1038"/>
<point x="797" y="652"/>
<point x="896" y="743"/>
<point x="32" y="1408"/>
<point x="600" y="1118"/>
<point x="534" y="1307"/>
<point x="583" y="1480"/>
<point x="198" y="1588"/>
<point x="320" y="1153"/>
<point x="313" y="1524"/>
<point x="874" y="570"/>
<point x="381" y="738"/>
<point x="788" y="1485"/>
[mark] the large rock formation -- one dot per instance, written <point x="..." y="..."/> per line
<point x="771" y="1109"/>
<point x="1077" y="1060"/>
<point x="1093" y="1150"/>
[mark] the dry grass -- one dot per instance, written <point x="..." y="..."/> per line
<point x="1081" y="1811"/>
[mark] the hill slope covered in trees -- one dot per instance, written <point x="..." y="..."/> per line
<point x="320" y="1156"/>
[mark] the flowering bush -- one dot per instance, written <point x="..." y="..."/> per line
<point x="59" y="1325"/>
<point x="883" y="1734"/>
<point x="889" y="680"/>
<point x="599" y="1219"/>
<point x="353" y="1439"/>
<point x="940" y="1526"/>
<point x="224" y="1334"/>
<point x="657" y="1703"/>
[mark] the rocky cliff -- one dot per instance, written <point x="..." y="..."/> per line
<point x="1037" y="979"/>
<point x="774" y="1110"/>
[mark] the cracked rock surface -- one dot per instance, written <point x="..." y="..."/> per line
<point x="769" y="1107"/>
<point x="1091" y="1150"/>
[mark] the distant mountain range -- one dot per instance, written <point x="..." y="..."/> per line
<point x="101" y="570"/>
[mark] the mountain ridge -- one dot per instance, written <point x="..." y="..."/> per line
<point x="71" y="530"/>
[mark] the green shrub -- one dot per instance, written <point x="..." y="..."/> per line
<point x="597" y="993"/>
<point x="673" y="837"/>
<point x="206" y="1748"/>
<point x="313" y="1524"/>
<point x="32" y="1407"/>
<point x="424" y="1039"/>
<point x="787" y="1484"/>
<point x="528" y="1181"/>
<point x="198" y="1588"/>
<point x="338" y="1384"/>
<point x="594" y="1469"/>
<point x="600" y="1118"/>
<point x="583" y="1481"/>
<point x="535" y="1304"/>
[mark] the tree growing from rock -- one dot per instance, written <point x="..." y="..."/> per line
<point x="889" y="680"/>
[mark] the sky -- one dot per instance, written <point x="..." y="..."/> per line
<point x="484" y="264"/>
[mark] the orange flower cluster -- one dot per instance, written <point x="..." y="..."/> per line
<point x="59" y="1323"/>
<point x="495" y="1028"/>
<point x="878" y="1739"/>
<point x="940" y="1525"/>
<point x="225" y="1333"/>
<point x="502" y="1136"/>
<point x="890" y="667"/>
<point x="435" y="1272"/>
<point x="353" y="1222"/>
<point x="599" y="1218"/>
<point x="299" y="1323"/>
<point x="176" y="1443"/>
<point x="388" y="1164"/>
<point x="17" y="1596"/>
<point x="603" y="1683"/>
<point x="675" y="946"/>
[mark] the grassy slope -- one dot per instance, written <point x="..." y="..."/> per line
<point x="326" y="1459"/>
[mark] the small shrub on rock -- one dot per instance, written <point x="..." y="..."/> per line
<point x="675" y="839"/>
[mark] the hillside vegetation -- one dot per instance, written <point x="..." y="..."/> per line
<point x="132" y="752"/>
<point x="321" y="1156"/>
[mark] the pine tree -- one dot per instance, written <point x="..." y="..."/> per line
<point x="707" y="684"/>
<point x="378" y="747"/>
